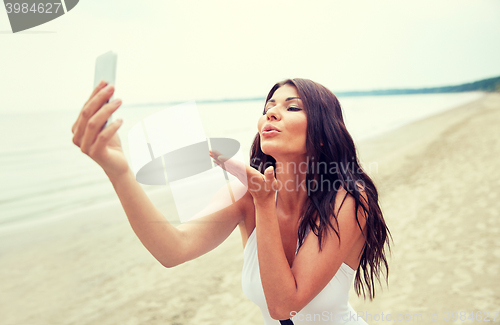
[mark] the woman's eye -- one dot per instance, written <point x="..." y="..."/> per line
<point x="291" y="108"/>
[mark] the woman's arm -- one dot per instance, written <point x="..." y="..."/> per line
<point x="160" y="237"/>
<point x="172" y="246"/>
<point x="290" y="289"/>
<point x="169" y="245"/>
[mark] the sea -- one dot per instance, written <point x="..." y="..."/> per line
<point x="43" y="174"/>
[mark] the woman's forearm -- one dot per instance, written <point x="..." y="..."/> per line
<point x="277" y="278"/>
<point x="160" y="237"/>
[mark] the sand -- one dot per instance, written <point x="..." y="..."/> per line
<point x="440" y="194"/>
<point x="438" y="180"/>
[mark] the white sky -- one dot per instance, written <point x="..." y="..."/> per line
<point x="184" y="50"/>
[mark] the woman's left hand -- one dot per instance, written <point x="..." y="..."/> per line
<point x="261" y="186"/>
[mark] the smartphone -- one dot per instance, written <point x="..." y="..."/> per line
<point x="105" y="69"/>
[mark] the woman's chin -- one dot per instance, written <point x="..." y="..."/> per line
<point x="269" y="150"/>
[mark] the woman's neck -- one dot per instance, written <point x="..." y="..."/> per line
<point x="292" y="186"/>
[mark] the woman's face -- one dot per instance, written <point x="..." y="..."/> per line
<point x="285" y="112"/>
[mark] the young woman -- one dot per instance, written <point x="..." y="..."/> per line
<point x="309" y="215"/>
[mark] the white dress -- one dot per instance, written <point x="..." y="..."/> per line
<point x="330" y="307"/>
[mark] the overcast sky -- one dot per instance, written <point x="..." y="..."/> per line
<point x="184" y="50"/>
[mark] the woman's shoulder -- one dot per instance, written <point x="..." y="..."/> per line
<point x="241" y="195"/>
<point x="243" y="199"/>
<point x="346" y="200"/>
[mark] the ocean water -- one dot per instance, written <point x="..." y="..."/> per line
<point x="43" y="174"/>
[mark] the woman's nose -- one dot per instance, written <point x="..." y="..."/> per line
<point x="272" y="113"/>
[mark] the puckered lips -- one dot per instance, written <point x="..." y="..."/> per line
<point x="270" y="130"/>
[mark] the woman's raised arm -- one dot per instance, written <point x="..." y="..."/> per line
<point x="169" y="245"/>
<point x="172" y="246"/>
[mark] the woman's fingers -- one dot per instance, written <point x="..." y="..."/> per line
<point x="269" y="174"/>
<point x="216" y="155"/>
<point x="218" y="158"/>
<point x="101" y="85"/>
<point x="104" y="137"/>
<point x="270" y="179"/>
<point x="258" y="184"/>
<point x="93" y="105"/>
<point x="95" y="123"/>
<point x="237" y="168"/>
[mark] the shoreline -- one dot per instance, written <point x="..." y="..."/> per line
<point x="91" y="268"/>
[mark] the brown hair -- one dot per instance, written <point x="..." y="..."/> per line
<point x="325" y="125"/>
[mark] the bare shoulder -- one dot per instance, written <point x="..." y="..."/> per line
<point x="246" y="207"/>
<point x="345" y="203"/>
<point x="242" y="196"/>
<point x="352" y="224"/>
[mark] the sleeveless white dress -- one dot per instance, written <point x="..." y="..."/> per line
<point x="330" y="307"/>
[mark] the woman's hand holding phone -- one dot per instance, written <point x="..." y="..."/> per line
<point x="101" y="144"/>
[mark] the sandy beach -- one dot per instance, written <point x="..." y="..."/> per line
<point x="438" y="180"/>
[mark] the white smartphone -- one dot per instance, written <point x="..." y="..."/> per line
<point x="105" y="69"/>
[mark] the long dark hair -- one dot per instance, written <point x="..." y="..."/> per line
<point x="329" y="142"/>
